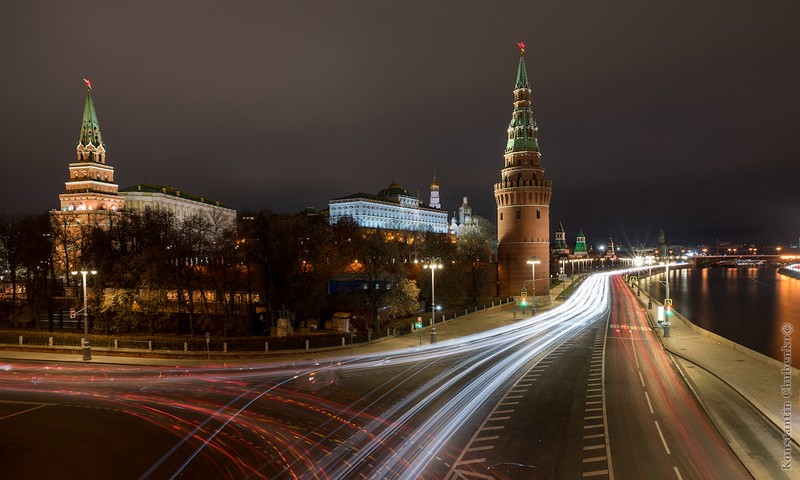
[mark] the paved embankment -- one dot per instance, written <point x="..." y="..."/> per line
<point x="769" y="385"/>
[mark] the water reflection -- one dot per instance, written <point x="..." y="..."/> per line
<point x="746" y="305"/>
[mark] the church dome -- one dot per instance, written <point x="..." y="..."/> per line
<point x="393" y="190"/>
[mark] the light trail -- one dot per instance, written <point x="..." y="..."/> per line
<point x="254" y="419"/>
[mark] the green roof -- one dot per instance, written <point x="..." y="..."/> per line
<point x="393" y="190"/>
<point x="523" y="125"/>
<point x="522" y="75"/>
<point x="90" y="127"/>
<point x="144" y="187"/>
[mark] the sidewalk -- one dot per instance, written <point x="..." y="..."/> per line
<point x="758" y="378"/>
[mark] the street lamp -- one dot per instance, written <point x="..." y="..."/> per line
<point x="433" y="263"/>
<point x="533" y="261"/>
<point x="87" y="350"/>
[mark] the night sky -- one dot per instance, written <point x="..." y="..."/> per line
<point x="682" y="116"/>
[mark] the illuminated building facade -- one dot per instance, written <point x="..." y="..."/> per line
<point x="181" y="204"/>
<point x="523" y="199"/>
<point x="391" y="209"/>
<point x="91" y="196"/>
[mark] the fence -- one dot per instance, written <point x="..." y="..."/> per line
<point x="189" y="347"/>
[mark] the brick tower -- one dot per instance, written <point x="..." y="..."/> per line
<point x="523" y="200"/>
<point x="91" y="194"/>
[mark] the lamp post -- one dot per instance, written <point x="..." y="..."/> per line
<point x="433" y="263"/>
<point x="533" y="261"/>
<point x="87" y="350"/>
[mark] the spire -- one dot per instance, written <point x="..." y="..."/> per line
<point x="90" y="128"/>
<point x="522" y="75"/>
<point x="522" y="128"/>
<point x="434" y="203"/>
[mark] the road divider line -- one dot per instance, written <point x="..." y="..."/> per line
<point x="594" y="447"/>
<point x="595" y="473"/>
<point x="22" y="402"/>
<point x="648" y="402"/>
<point x="594" y="459"/>
<point x="23" y="411"/>
<point x="663" y="440"/>
<point x="479" y="449"/>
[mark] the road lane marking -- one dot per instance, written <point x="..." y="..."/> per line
<point x="468" y="474"/>
<point x="594" y="459"/>
<point x="678" y="473"/>
<point x="22" y="402"/>
<point x="593" y="417"/>
<point x="486" y="439"/>
<point x="594" y="435"/>
<point x="648" y="402"/>
<point x="641" y="377"/>
<point x="594" y="447"/>
<point x="597" y="425"/>
<point x="478" y="449"/>
<point x="663" y="440"/>
<point x="595" y="473"/>
<point x="24" y="411"/>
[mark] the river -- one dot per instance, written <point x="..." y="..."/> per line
<point x="750" y="306"/>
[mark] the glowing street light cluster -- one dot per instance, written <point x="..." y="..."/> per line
<point x="433" y="264"/>
<point x="87" y="350"/>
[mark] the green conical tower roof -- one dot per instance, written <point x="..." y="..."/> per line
<point x="90" y="127"/>
<point x="522" y="75"/>
<point x="580" y="245"/>
<point x="522" y="128"/>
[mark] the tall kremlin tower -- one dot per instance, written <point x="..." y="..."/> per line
<point x="523" y="200"/>
<point x="91" y="194"/>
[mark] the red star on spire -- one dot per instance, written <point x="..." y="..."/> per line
<point x="521" y="46"/>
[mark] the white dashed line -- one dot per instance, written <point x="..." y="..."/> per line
<point x="663" y="440"/>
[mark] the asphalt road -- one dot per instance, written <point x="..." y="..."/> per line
<point x="657" y="428"/>
<point x="581" y="391"/>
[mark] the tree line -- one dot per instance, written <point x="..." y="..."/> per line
<point x="159" y="274"/>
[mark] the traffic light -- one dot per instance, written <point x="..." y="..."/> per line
<point x="523" y="298"/>
<point x="668" y="306"/>
<point x="668" y="310"/>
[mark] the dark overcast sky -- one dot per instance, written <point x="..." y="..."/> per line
<point x="682" y="116"/>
